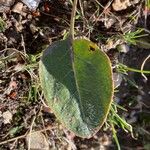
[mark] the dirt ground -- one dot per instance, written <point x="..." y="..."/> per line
<point x="25" y="33"/>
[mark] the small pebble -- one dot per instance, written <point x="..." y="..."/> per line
<point x="7" y="117"/>
<point x="37" y="141"/>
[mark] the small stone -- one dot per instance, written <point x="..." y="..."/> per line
<point x="119" y="5"/>
<point x="109" y="21"/>
<point x="33" y="28"/>
<point x="7" y="117"/>
<point x="124" y="48"/>
<point x="117" y="79"/>
<point x="18" y="8"/>
<point x="37" y="141"/>
<point x="32" y="4"/>
<point x="105" y="140"/>
<point x="113" y="43"/>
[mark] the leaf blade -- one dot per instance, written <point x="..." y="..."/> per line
<point x="59" y="72"/>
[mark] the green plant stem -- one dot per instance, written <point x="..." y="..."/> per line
<point x="139" y="71"/>
<point x="126" y="68"/>
<point x="115" y="137"/>
<point x="72" y="21"/>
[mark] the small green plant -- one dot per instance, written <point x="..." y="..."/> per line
<point x="124" y="69"/>
<point x="2" y="25"/>
<point x="139" y="38"/>
<point x="114" y="120"/>
<point x="132" y="37"/>
<point x="147" y="3"/>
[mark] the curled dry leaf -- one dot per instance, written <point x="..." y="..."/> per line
<point x="13" y="95"/>
<point x="11" y="90"/>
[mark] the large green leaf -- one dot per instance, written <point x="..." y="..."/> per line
<point x="77" y="84"/>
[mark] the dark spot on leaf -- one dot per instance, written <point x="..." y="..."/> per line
<point x="92" y="48"/>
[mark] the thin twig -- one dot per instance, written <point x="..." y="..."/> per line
<point x="72" y="21"/>
<point x="31" y="131"/>
<point x="83" y="16"/>
<point x="15" y="50"/>
<point x="142" y="67"/>
<point x="23" y="136"/>
<point x="41" y="98"/>
<point x="145" y="14"/>
<point x="13" y="139"/>
<point x="23" y="45"/>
